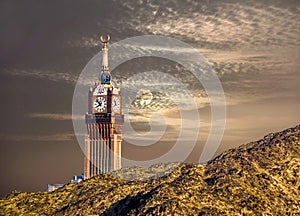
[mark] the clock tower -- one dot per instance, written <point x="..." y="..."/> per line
<point x="104" y="121"/>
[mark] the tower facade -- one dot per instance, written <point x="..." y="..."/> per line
<point x="104" y="121"/>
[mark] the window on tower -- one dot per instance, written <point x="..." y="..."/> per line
<point x="105" y="79"/>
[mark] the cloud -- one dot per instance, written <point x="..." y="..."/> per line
<point x="41" y="138"/>
<point x="44" y="74"/>
<point x="55" y="116"/>
<point x="223" y="25"/>
<point x="85" y="42"/>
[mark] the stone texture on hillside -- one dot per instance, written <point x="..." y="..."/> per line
<point x="259" y="178"/>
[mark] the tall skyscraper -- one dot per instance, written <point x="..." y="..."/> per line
<point x="104" y="122"/>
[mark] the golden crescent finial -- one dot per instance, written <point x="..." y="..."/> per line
<point x="105" y="40"/>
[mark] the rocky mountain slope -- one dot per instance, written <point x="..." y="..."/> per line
<point x="259" y="178"/>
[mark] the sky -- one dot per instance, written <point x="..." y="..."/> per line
<point x="253" y="46"/>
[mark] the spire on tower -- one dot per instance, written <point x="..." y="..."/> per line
<point x="105" y="52"/>
<point x="105" y="74"/>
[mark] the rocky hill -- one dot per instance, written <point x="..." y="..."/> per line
<point x="259" y="178"/>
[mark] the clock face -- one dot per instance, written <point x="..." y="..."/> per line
<point x="100" y="104"/>
<point x="116" y="105"/>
